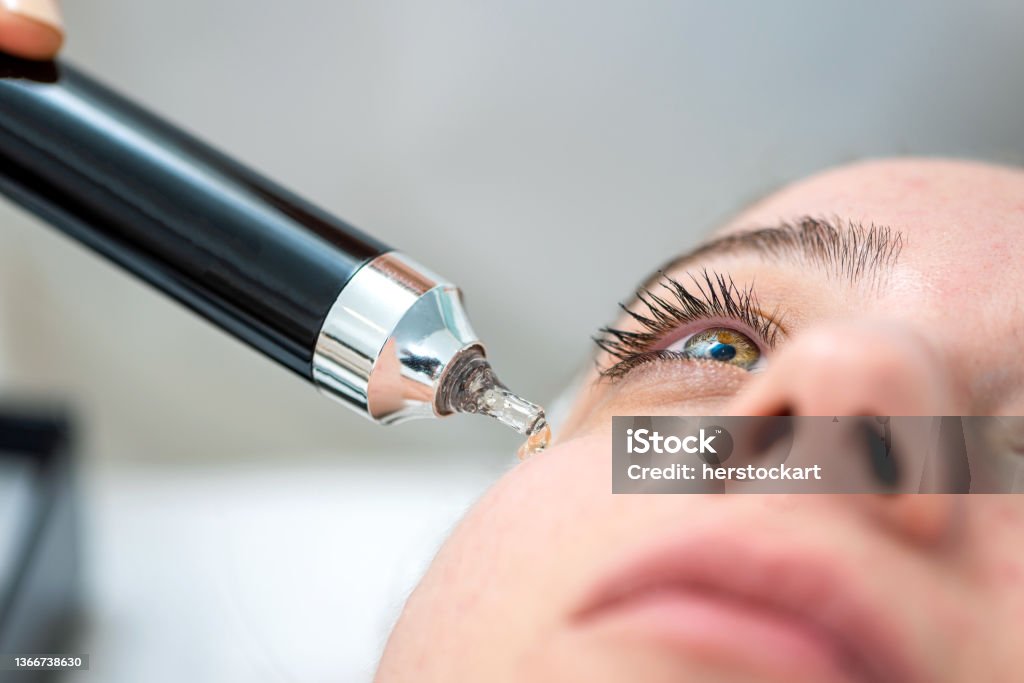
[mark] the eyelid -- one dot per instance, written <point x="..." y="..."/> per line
<point x="665" y="353"/>
<point x="675" y="307"/>
<point x="695" y="327"/>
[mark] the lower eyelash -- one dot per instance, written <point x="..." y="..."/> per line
<point x="627" y="365"/>
<point x="716" y="296"/>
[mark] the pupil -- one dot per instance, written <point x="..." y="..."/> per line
<point x="723" y="352"/>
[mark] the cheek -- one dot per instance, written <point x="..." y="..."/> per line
<point x="1002" y="533"/>
<point x="996" y="565"/>
<point x="503" y="582"/>
<point x="529" y="546"/>
<point x="512" y="536"/>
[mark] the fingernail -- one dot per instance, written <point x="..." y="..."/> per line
<point x="44" y="11"/>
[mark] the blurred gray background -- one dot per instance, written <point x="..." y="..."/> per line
<point x="543" y="155"/>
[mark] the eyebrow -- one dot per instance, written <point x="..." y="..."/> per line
<point x="845" y="250"/>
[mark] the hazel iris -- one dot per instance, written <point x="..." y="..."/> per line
<point x="724" y="345"/>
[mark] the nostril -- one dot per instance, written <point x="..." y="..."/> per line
<point x="882" y="457"/>
<point x="774" y="410"/>
<point x="769" y="433"/>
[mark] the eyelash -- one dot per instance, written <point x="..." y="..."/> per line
<point x="663" y="315"/>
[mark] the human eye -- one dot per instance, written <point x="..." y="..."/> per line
<point x="722" y="344"/>
<point x="710" y="320"/>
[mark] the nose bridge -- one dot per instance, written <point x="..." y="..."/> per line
<point x="861" y="367"/>
<point x="867" y="367"/>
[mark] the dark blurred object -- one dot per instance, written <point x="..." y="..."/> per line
<point x="39" y="568"/>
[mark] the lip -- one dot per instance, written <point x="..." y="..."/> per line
<point x="795" y="611"/>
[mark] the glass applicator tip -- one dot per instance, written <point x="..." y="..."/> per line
<point x="476" y="389"/>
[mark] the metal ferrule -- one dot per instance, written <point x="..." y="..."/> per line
<point x="389" y="340"/>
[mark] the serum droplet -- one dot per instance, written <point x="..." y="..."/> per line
<point x="535" y="443"/>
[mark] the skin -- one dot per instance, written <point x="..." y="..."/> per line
<point x="28" y="29"/>
<point x="945" y="571"/>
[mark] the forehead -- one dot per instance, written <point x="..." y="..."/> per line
<point x="959" y="219"/>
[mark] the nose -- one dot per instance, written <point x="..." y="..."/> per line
<point x="864" y="368"/>
<point x="853" y="368"/>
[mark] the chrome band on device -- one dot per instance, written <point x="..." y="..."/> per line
<point x="390" y="337"/>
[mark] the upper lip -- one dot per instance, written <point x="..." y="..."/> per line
<point x="808" y="584"/>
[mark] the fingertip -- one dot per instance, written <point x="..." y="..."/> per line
<point x="31" y="29"/>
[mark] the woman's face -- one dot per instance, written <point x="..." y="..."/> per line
<point x="915" y="312"/>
